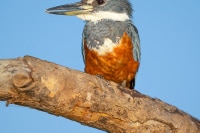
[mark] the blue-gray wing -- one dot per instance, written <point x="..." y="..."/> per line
<point x="82" y="47"/>
<point x="133" y="33"/>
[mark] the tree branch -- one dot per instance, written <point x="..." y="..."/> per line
<point x="88" y="99"/>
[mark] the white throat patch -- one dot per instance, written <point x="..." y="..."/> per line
<point x="97" y="16"/>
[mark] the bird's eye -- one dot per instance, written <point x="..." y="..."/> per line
<point x="100" y="2"/>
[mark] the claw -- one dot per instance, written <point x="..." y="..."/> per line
<point x="100" y="76"/>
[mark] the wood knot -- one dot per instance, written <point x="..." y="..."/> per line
<point x="22" y="82"/>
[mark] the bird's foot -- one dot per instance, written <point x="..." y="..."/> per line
<point x="99" y="76"/>
<point x="123" y="84"/>
<point x="102" y="77"/>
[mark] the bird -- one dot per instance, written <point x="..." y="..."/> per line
<point x="110" y="40"/>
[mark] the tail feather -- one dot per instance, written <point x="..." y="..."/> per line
<point x="132" y="84"/>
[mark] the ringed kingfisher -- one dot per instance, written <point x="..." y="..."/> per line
<point x="110" y="43"/>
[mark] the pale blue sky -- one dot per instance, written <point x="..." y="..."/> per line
<point x="170" y="41"/>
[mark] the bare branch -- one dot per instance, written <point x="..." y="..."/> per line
<point x="88" y="99"/>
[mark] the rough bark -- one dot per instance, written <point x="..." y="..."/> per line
<point x="88" y="99"/>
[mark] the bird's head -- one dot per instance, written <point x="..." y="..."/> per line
<point x="96" y="10"/>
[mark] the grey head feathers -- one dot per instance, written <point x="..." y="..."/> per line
<point x="117" y="6"/>
<point x="117" y="10"/>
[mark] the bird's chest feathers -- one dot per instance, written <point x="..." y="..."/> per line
<point x="118" y="54"/>
<point x="112" y="61"/>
